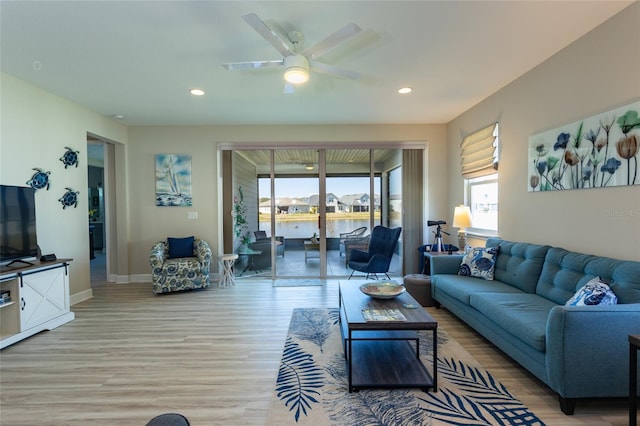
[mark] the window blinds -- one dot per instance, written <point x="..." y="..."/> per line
<point x="479" y="156"/>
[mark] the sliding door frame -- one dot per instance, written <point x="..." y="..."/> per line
<point x="413" y="211"/>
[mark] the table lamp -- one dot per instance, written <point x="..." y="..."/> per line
<point x="462" y="220"/>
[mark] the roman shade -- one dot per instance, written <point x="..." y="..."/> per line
<point x="479" y="152"/>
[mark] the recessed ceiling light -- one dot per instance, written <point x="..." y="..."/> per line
<point x="196" y="92"/>
<point x="405" y="90"/>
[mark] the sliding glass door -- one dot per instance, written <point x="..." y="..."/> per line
<point x="296" y="211"/>
<point x="298" y="205"/>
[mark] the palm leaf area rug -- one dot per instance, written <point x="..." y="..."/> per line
<point x="311" y="388"/>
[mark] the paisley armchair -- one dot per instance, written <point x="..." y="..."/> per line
<point x="180" y="273"/>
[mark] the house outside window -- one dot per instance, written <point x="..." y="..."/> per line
<point x="482" y="198"/>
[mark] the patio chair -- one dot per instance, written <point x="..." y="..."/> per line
<point x="260" y="261"/>
<point x="376" y="260"/>
<point x="355" y="243"/>
<point x="261" y="236"/>
<point x="358" y="232"/>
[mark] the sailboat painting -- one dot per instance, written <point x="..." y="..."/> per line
<point x="173" y="180"/>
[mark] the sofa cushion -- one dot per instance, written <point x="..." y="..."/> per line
<point x="564" y="272"/>
<point x="595" y="292"/>
<point x="461" y="288"/>
<point x="180" y="247"/>
<point x="518" y="264"/>
<point x="479" y="262"/>
<point x="523" y="315"/>
<point x="625" y="282"/>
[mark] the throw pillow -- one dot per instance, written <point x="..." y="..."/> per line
<point x="180" y="247"/>
<point x="479" y="262"/>
<point x="595" y="292"/>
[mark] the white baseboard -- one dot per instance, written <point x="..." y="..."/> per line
<point x="140" y="278"/>
<point x="118" y="279"/>
<point x="80" y="296"/>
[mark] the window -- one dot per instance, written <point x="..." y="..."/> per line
<point x="482" y="197"/>
<point x="479" y="163"/>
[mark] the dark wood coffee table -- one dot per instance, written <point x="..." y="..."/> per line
<point x="385" y="354"/>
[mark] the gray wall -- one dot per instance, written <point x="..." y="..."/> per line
<point x="598" y="72"/>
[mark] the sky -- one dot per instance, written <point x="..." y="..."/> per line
<point x="303" y="187"/>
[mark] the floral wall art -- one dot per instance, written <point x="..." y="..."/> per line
<point x="599" y="151"/>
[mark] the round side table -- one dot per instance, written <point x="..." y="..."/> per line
<point x="227" y="278"/>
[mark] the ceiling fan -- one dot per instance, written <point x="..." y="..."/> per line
<point x="297" y="62"/>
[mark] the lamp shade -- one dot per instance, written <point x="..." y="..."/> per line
<point x="462" y="217"/>
<point x="296" y="69"/>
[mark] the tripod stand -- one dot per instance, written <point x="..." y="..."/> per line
<point x="438" y="245"/>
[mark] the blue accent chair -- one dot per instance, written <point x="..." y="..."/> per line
<point x="376" y="260"/>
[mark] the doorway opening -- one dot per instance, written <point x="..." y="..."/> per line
<point x="96" y="203"/>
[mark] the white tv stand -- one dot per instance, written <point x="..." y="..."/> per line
<point x="39" y="299"/>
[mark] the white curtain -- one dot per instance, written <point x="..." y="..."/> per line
<point x="412" y="206"/>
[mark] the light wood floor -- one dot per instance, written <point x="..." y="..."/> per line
<point x="211" y="355"/>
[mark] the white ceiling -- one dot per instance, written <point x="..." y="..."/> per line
<point x="140" y="58"/>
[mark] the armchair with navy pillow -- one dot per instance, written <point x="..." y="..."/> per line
<point x="180" y="264"/>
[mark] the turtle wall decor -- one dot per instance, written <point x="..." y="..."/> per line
<point x="70" y="198"/>
<point x="39" y="180"/>
<point x="70" y="157"/>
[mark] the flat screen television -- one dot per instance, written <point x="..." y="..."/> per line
<point x="18" y="240"/>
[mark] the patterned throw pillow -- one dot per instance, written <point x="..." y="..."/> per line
<point x="595" y="292"/>
<point x="479" y="262"/>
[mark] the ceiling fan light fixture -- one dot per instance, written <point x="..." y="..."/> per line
<point x="296" y="75"/>
<point x="296" y="69"/>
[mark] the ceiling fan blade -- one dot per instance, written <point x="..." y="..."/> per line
<point x="252" y="65"/>
<point x="330" y="69"/>
<point x="332" y="41"/>
<point x="282" y="45"/>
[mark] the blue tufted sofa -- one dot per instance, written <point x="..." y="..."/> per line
<point x="181" y="273"/>
<point x="578" y="351"/>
